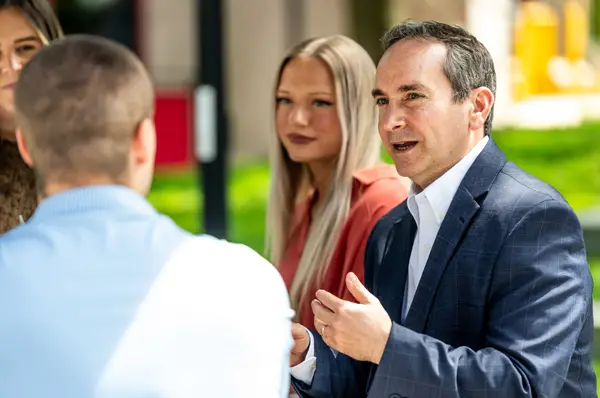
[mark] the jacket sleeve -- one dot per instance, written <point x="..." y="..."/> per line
<point x="341" y="376"/>
<point x="539" y="302"/>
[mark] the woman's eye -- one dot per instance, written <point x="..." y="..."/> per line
<point x="24" y="49"/>
<point x="282" y="100"/>
<point x="322" y="103"/>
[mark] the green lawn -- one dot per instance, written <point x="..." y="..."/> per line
<point x="567" y="159"/>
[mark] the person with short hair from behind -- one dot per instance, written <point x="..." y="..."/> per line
<point x="25" y="27"/>
<point x="100" y="295"/>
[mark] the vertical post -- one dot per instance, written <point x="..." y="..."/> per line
<point x="493" y="23"/>
<point x="210" y="118"/>
<point x="294" y="19"/>
<point x="369" y="23"/>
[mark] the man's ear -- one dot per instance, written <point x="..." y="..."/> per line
<point x="23" y="150"/>
<point x="482" y="101"/>
<point x="144" y="142"/>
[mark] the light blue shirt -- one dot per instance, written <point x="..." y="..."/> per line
<point x="101" y="296"/>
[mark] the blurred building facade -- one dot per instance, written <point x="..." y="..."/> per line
<point x="530" y="41"/>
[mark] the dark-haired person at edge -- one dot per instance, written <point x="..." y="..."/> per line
<point x="25" y="26"/>
<point x="476" y="286"/>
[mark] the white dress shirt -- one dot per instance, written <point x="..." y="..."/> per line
<point x="428" y="207"/>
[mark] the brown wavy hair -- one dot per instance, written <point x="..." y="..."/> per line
<point x="18" y="193"/>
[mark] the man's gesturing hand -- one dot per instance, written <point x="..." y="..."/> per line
<point x="361" y="330"/>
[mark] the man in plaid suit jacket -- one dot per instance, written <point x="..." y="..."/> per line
<point x="478" y="284"/>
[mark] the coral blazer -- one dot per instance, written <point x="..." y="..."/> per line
<point x="376" y="190"/>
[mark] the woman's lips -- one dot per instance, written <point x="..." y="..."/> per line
<point x="300" y="139"/>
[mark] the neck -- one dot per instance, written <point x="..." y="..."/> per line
<point x="56" y="187"/>
<point x="322" y="176"/>
<point x="6" y="133"/>
<point x="424" y="182"/>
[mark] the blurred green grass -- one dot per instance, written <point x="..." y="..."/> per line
<point x="178" y="194"/>
<point x="568" y="159"/>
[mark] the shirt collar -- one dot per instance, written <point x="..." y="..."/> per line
<point x="440" y="193"/>
<point x="92" y="198"/>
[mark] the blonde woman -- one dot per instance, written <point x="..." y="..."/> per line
<point x="328" y="185"/>
<point x="25" y="26"/>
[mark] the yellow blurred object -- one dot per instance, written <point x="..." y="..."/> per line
<point x="585" y="76"/>
<point x="536" y="43"/>
<point x="520" y="89"/>
<point x="561" y="73"/>
<point x="576" y="30"/>
<point x="577" y="38"/>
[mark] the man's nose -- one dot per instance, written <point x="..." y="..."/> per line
<point x="392" y="119"/>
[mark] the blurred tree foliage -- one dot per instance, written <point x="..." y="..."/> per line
<point x="595" y="18"/>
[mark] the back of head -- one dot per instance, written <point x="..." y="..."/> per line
<point x="82" y="104"/>
<point x="469" y="64"/>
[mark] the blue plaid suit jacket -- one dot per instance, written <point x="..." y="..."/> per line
<point x="504" y="306"/>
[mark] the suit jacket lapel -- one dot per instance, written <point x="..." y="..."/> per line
<point x="391" y="276"/>
<point x="463" y="208"/>
<point x="451" y="231"/>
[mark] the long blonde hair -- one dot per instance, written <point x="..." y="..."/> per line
<point x="353" y="72"/>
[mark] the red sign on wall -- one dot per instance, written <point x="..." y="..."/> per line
<point x="173" y="117"/>
<point x="174" y="123"/>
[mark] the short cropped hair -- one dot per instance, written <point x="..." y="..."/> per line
<point x="469" y="64"/>
<point x="79" y="102"/>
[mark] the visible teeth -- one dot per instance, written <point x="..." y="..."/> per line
<point x="403" y="146"/>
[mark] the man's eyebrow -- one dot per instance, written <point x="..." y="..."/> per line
<point x="412" y="87"/>
<point x="377" y="92"/>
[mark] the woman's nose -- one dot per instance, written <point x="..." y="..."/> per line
<point x="299" y="116"/>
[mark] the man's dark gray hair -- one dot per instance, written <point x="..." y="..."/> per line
<point x="469" y="64"/>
